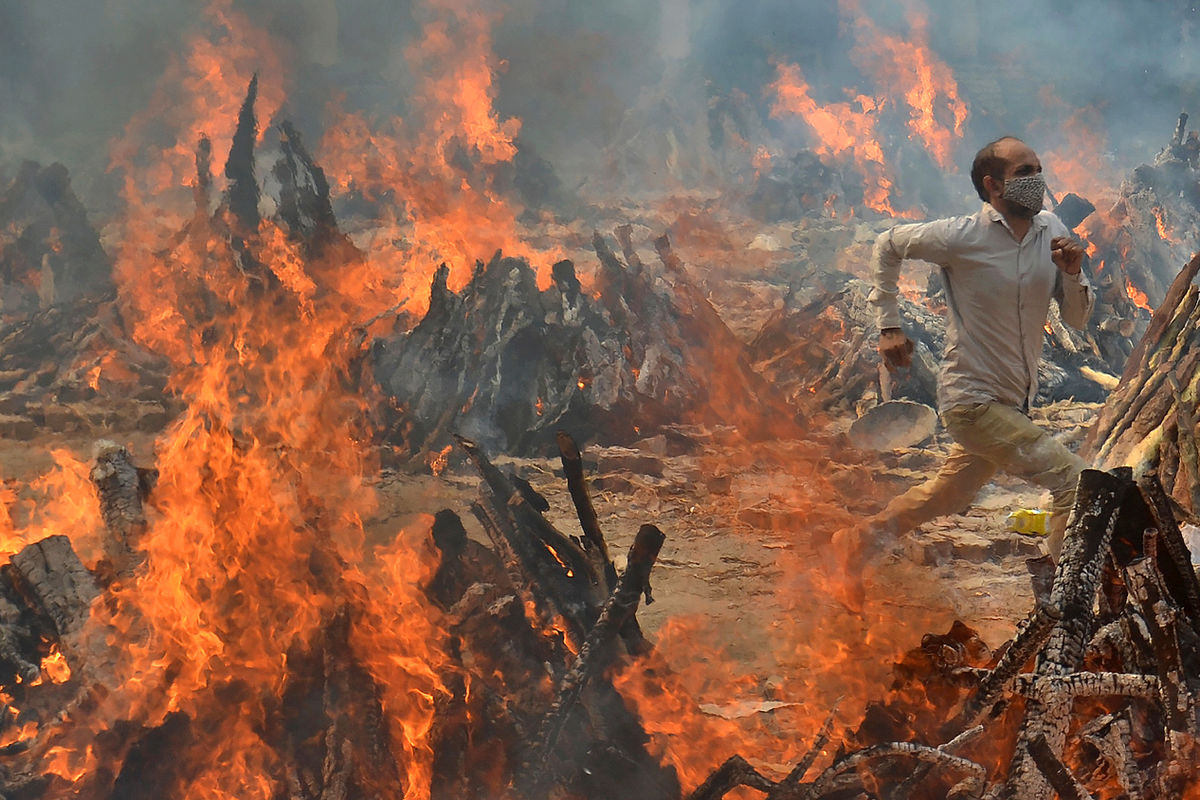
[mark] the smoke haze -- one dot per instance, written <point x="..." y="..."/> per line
<point x="74" y="72"/>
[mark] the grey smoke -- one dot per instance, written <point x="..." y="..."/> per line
<point x="73" y="72"/>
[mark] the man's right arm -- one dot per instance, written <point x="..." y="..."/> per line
<point x="925" y="241"/>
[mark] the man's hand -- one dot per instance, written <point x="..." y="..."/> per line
<point x="896" y="348"/>
<point x="1067" y="254"/>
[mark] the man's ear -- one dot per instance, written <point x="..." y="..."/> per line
<point x="991" y="185"/>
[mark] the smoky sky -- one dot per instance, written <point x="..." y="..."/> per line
<point x="73" y="72"/>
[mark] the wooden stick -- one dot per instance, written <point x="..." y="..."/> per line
<point x="120" y="486"/>
<point x="736" y="771"/>
<point x="976" y="773"/>
<point x="1174" y="560"/>
<point x="593" y="656"/>
<point x="791" y="783"/>
<point x="1056" y="772"/>
<point x="572" y="462"/>
<point x="1085" y="549"/>
<point x="1031" y="635"/>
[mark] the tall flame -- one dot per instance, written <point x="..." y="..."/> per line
<point x="905" y="66"/>
<point x="907" y="74"/>
<point x="443" y="171"/>
<point x="844" y="128"/>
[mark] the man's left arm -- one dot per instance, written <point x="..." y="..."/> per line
<point x="1072" y="290"/>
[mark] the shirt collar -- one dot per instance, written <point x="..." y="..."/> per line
<point x="990" y="213"/>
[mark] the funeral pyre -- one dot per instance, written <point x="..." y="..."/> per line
<point x="222" y="623"/>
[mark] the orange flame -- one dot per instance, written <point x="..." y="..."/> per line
<point x="906" y="67"/>
<point x="55" y="666"/>
<point x="451" y="212"/>
<point x="437" y="461"/>
<point x="1139" y="298"/>
<point x="840" y="128"/>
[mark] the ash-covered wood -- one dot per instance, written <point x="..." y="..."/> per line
<point x="1149" y="422"/>
<point x="49" y="252"/>
<point x="121" y="487"/>
<point x="243" y="193"/>
<point x="50" y="576"/>
<point x="508" y="365"/>
<point x="595" y="654"/>
<point x="1110" y="701"/>
<point x="1056" y="772"/>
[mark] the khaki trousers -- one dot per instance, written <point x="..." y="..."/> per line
<point x="990" y="437"/>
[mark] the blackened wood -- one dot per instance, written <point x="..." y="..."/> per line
<point x="1178" y="703"/>
<point x="54" y="580"/>
<point x="1067" y="688"/>
<point x="499" y="530"/>
<point x="201" y="192"/>
<point x="791" y="782"/>
<point x="243" y="192"/>
<point x="547" y="556"/>
<point x="572" y="462"/>
<point x="464" y="562"/>
<point x="1112" y="645"/>
<point x="976" y="774"/>
<point x="595" y="654"/>
<point x="736" y="771"/>
<point x="1173" y="558"/>
<point x="304" y="204"/>
<point x="1110" y="735"/>
<point x="154" y="767"/>
<point x="1085" y="548"/>
<point x="908" y="787"/>
<point x="1041" y="578"/>
<point x="121" y="490"/>
<point x="18" y="640"/>
<point x="624" y="234"/>
<point x="1031" y="634"/>
<point x="594" y="543"/>
<point x="1055" y="772"/>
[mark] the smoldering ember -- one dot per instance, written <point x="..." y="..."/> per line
<point x="434" y="400"/>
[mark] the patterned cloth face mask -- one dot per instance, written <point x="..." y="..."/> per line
<point x="1026" y="191"/>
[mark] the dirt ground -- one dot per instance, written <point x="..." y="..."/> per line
<point x="739" y="584"/>
<point x="743" y="610"/>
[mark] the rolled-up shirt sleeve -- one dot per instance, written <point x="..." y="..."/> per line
<point x="926" y="241"/>
<point x="1075" y="297"/>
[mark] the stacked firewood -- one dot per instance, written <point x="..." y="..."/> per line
<point x="1093" y="697"/>
<point x="66" y="362"/>
<point x="1150" y="421"/>
<point x="540" y="600"/>
<point x="72" y="368"/>
<point x="535" y="623"/>
<point x="49" y="252"/>
<point x="510" y="364"/>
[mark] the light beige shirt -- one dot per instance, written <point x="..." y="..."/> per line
<point x="998" y="291"/>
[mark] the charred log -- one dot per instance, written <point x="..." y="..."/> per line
<point x="243" y="193"/>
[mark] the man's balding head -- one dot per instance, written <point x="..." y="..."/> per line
<point x="991" y="160"/>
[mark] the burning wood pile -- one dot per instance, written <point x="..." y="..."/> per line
<point x="48" y="252"/>
<point x="1094" y="696"/>
<point x="1150" y="421"/>
<point x="66" y="361"/>
<point x="508" y="365"/>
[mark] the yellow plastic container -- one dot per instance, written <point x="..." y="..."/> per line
<point x="1030" y="521"/>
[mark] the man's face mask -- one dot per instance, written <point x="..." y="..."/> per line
<point x="1026" y="191"/>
